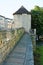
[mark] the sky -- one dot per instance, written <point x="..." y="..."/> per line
<point x="8" y="7"/>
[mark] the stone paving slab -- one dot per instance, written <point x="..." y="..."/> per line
<point x="12" y="63"/>
<point x="17" y="55"/>
<point x="15" y="60"/>
<point x="22" y="54"/>
<point x="23" y="50"/>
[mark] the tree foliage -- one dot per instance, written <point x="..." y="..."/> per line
<point x="37" y="19"/>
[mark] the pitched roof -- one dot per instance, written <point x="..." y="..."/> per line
<point x="8" y="19"/>
<point x="22" y="10"/>
<point x="2" y="16"/>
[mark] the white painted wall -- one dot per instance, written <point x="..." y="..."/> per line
<point x="8" y="23"/>
<point x="18" y="21"/>
<point x="26" y="21"/>
<point x="2" y="21"/>
<point x="23" y="20"/>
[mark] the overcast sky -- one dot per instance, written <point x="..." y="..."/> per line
<point x="8" y="7"/>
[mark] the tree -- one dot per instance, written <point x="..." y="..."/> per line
<point x="36" y="8"/>
<point x="37" y="20"/>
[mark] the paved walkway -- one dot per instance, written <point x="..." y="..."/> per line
<point x="22" y="54"/>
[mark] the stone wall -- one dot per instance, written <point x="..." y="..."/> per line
<point x="33" y="37"/>
<point x="7" y="46"/>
